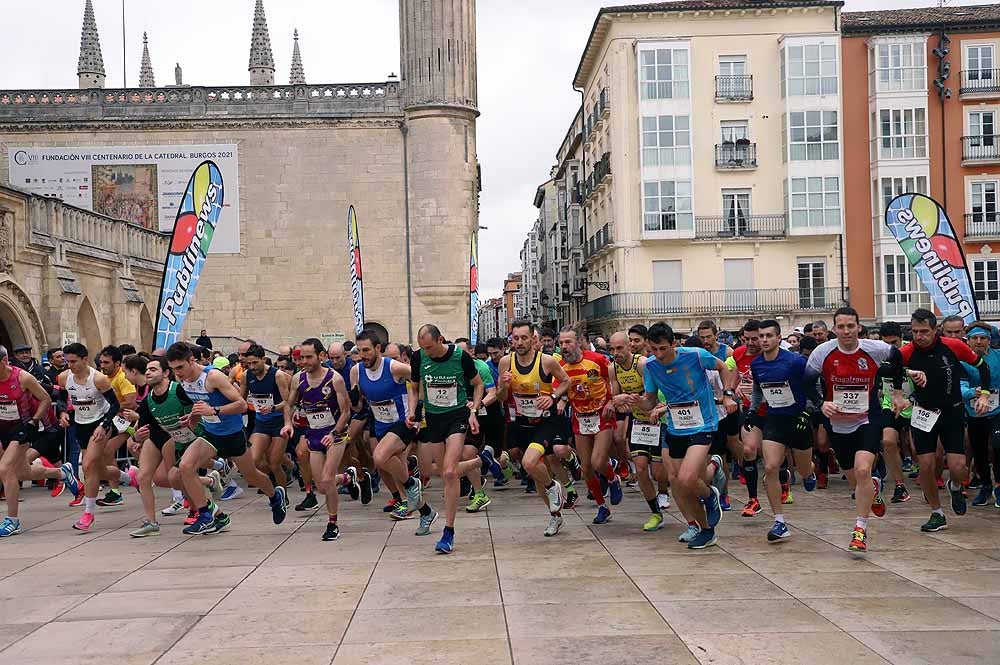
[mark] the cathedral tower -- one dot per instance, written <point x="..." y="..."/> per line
<point x="90" y="66"/>
<point x="261" y="60"/>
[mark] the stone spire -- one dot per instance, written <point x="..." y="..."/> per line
<point x="297" y="75"/>
<point x="146" y="69"/>
<point x="90" y="67"/>
<point x="261" y="61"/>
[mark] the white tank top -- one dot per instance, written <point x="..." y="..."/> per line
<point x="89" y="404"/>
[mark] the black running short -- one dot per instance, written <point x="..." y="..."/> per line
<point x="783" y="429"/>
<point x="442" y="425"/>
<point x="678" y="445"/>
<point x="227" y="445"/>
<point x="867" y="438"/>
<point x="949" y="428"/>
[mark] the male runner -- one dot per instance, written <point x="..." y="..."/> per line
<point x="487" y="441"/>
<point x="219" y="407"/>
<point x="708" y="333"/>
<point x="322" y="394"/>
<point x="267" y="390"/>
<point x="894" y="426"/>
<point x="750" y="432"/>
<point x="953" y="326"/>
<point x="357" y="436"/>
<point x="984" y="430"/>
<point x="110" y="360"/>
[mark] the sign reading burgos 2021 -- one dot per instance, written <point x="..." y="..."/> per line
<point x="139" y="184"/>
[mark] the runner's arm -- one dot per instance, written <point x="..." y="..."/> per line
<point x="556" y="371"/>
<point x="31" y="384"/>
<point x="400" y="371"/>
<point x="284" y="385"/>
<point x="103" y="384"/>
<point x="291" y="401"/>
<point x="757" y="396"/>
<point x="237" y="405"/>
<point x="344" y="402"/>
<point x="503" y="388"/>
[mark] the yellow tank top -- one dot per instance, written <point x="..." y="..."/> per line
<point x="526" y="386"/>
<point x="629" y="379"/>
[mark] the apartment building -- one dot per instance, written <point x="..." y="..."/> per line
<point x="923" y="86"/>
<point x="492" y="319"/>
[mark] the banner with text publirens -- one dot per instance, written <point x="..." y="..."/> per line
<point x="474" y="292"/>
<point x="197" y="217"/>
<point x="357" y="285"/>
<point x="926" y="236"/>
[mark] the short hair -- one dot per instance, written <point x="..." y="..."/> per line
<point x="136" y="363"/>
<point x="890" y="329"/>
<point x="315" y="344"/>
<point x="978" y="324"/>
<point x="639" y="329"/>
<point x="495" y="342"/>
<point x="233" y="358"/>
<point x="922" y="315"/>
<point x="520" y="323"/>
<point x="548" y="332"/>
<point x="159" y="360"/>
<point x="808" y="328"/>
<point x="770" y="323"/>
<point x="808" y="343"/>
<point x="369" y="335"/>
<point x="660" y="332"/>
<point x="844" y="311"/>
<point x="76" y="349"/>
<point x="480" y="348"/>
<point x="822" y="324"/>
<point x="569" y="328"/>
<point x="693" y="342"/>
<point x="751" y="325"/>
<point x="200" y="352"/>
<point x="430" y="329"/>
<point x="256" y="351"/>
<point x="180" y="351"/>
<point x="709" y="324"/>
<point x="126" y="349"/>
<point x="953" y="317"/>
<point x="112" y="352"/>
<point x="459" y="340"/>
<point x="348" y="345"/>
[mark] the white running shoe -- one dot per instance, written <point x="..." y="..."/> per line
<point x="176" y="508"/>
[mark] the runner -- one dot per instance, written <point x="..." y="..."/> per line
<point x="219" y="408"/>
<point x="357" y="437"/>
<point x="708" y="333"/>
<point x="322" y="394"/>
<point x="984" y="430"/>
<point x="750" y="433"/>
<point x="953" y="326"/>
<point x="488" y="440"/>
<point x="110" y="360"/>
<point x="267" y="390"/>
<point x="895" y="426"/>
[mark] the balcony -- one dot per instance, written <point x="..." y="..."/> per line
<point x="740" y="227"/>
<point x="981" y="149"/>
<point x="598" y="242"/>
<point x="734" y="88"/>
<point x="758" y="302"/>
<point x="600" y="111"/>
<point x="980" y="82"/>
<point x="982" y="225"/>
<point x="738" y="156"/>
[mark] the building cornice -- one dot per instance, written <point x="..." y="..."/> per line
<point x="189" y="124"/>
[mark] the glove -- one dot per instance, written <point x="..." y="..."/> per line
<point x="751" y="420"/>
<point x="804" y="422"/>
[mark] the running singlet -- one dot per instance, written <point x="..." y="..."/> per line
<point x="630" y="381"/>
<point x="527" y="384"/>
<point x="89" y="404"/>
<point x="121" y="385"/>
<point x="264" y="392"/>
<point x="385" y="395"/>
<point x="589" y="383"/>
<point x="17" y="405"/>
<point x="166" y="411"/>
<point x="722" y="352"/>
<point x="741" y="363"/>
<point x="941" y="363"/>
<point x="487" y="376"/>
<point x="690" y="402"/>
<point x="780" y="381"/>
<point x="444" y="379"/>
<point x="848" y="379"/>
<point x="222" y="424"/>
<point x="319" y="403"/>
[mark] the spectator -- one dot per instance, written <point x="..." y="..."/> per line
<point x="204" y="340"/>
<point x="23" y="359"/>
<point x="56" y="365"/>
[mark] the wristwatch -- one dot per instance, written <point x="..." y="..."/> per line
<point x="217" y="412"/>
<point x="729" y="393"/>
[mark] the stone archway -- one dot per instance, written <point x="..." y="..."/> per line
<point x="19" y="322"/>
<point x="146" y="338"/>
<point x="88" y="330"/>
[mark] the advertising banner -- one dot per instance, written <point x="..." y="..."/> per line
<point x="357" y="285"/>
<point x="474" y="292"/>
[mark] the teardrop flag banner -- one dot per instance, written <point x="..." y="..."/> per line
<point x="197" y="219"/>
<point x="357" y="284"/>
<point x="474" y="292"/>
<point x="924" y="233"/>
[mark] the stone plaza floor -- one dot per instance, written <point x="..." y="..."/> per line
<point x="261" y="593"/>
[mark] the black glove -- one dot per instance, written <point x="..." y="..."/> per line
<point x="804" y="422"/>
<point x="751" y="420"/>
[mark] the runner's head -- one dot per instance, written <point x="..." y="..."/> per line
<point x="297" y="357"/>
<point x="392" y="350"/>
<point x="769" y="335"/>
<point x="370" y="347"/>
<point x="953" y="326"/>
<point x="569" y="344"/>
<point x="807" y="345"/>
<point x="180" y="358"/>
<point x="254" y="358"/>
<point x="462" y="344"/>
<point x="337" y="355"/>
<point x="494" y="347"/>
<point x="820" y="332"/>
<point x="793" y="340"/>
<point x="285" y="350"/>
<point x="283" y="363"/>
<point x="481" y="352"/>
<point x="110" y="360"/>
<point x="620" y="347"/>
<point x="979" y="334"/>
<point x="547" y="337"/>
<point x="891" y="333"/>
<point x="751" y="336"/>
<point x="660" y="340"/>
<point x="56" y="358"/>
<point x="924" y="326"/>
<point x="241" y="351"/>
<point x="708" y="334"/>
<point x="637" y="339"/>
<point x="135" y="369"/>
<point x="312" y="353"/>
<point x="522" y="337"/>
<point x="155" y="372"/>
<point x="600" y="344"/>
<point x="430" y="339"/>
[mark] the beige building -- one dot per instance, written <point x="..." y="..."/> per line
<point x="712" y="174"/>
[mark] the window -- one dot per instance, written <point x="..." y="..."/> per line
<point x="667" y="205"/>
<point x="668" y="295"/>
<point x="732" y="65"/>
<point x="736" y="211"/>
<point x="979" y="65"/>
<point x="812" y="283"/>
<point x="981" y="132"/>
<point x="900" y="67"/>
<point x="813" y="135"/>
<point x="809" y="70"/>
<point x="984" y="201"/>
<point x="903" y="291"/>
<point x="890" y="189"/>
<point x="903" y="133"/>
<point x="664" y="74"/>
<point x="666" y="140"/>
<point x="733" y="130"/>
<point x="986" y="280"/>
<point x="815" y="202"/>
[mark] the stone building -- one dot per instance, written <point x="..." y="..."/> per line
<point x="402" y="151"/>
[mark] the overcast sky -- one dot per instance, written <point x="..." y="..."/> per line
<point x="528" y="52"/>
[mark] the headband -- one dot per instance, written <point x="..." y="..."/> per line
<point x="979" y="330"/>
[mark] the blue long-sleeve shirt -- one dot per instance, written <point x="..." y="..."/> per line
<point x="970" y="390"/>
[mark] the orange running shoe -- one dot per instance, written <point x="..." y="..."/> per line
<point x="859" y="540"/>
<point x="878" y="505"/>
<point x="752" y="508"/>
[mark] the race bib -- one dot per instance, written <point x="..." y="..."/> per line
<point x="442" y="395"/>
<point x="526" y="406"/>
<point x="320" y="419"/>
<point x="181" y="434"/>
<point x="645" y="434"/>
<point x="9" y="412"/>
<point x="994" y="400"/>
<point x="214" y="419"/>
<point x="589" y="423"/>
<point x="482" y="411"/>
<point x="851" y="399"/>
<point x="260" y="402"/>
<point x="686" y="415"/>
<point x="924" y="419"/>
<point x="85" y="412"/>
<point x="385" y="412"/>
<point x="778" y="394"/>
<point x="121" y="424"/>
<point x="887" y="388"/>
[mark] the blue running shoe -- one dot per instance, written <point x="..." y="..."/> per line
<point x="615" y="487"/>
<point x="279" y="505"/>
<point x="713" y="511"/>
<point x="705" y="538"/>
<point x="996" y="496"/>
<point x="688" y="535"/>
<point x="414" y="495"/>
<point x="603" y="515"/>
<point x="983" y="496"/>
<point x="724" y="503"/>
<point x="447" y="542"/>
<point x="957" y="499"/>
<point x="204" y="524"/>
<point x="735" y="475"/>
<point x="69" y="479"/>
<point x="490" y="463"/>
<point x="231" y="492"/>
<point x="529" y="487"/>
<point x="809" y="484"/>
<point x="778" y="532"/>
<point x="9" y="527"/>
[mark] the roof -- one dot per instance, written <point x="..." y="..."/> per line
<point x="685" y="6"/>
<point x="957" y="18"/>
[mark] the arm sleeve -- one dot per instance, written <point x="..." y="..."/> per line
<point x="183" y="397"/>
<point x="145" y="417"/>
<point x="415" y="367"/>
<point x="892" y="368"/>
<point x="968" y="392"/>
<point x="113" y="406"/>
<point x="984" y="373"/>
<point x="469" y="368"/>
<point x="757" y="397"/>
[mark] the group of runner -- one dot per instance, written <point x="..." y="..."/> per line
<point x="643" y="408"/>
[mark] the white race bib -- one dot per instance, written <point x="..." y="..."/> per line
<point x="385" y="412"/>
<point x="85" y="412"/>
<point x="887" y="388"/>
<point x="260" y="402"/>
<point x="9" y="412"/>
<point x="121" y="423"/>
<point x="181" y="434"/>
<point x="482" y="411"/>
<point x="851" y="399"/>
<point x="994" y="400"/>
<point x="320" y="419"/>
<point x="442" y="395"/>
<point x="924" y="419"/>
<point x="778" y="395"/>
<point x="645" y="434"/>
<point x="526" y="406"/>
<point x="214" y="419"/>
<point x="686" y="415"/>
<point x="589" y="423"/>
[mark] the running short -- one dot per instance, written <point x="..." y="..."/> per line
<point x="867" y="438"/>
<point x="730" y="425"/>
<point x="638" y="435"/>
<point x="589" y="424"/>
<point x="363" y="414"/>
<point x="442" y="425"/>
<point x="820" y="420"/>
<point x="950" y="428"/>
<point x="490" y="430"/>
<point x="782" y="429"/>
<point x="719" y="443"/>
<point x="15" y="434"/>
<point x="405" y="434"/>
<point x="84" y="432"/>
<point x="251" y="422"/>
<point x="314" y="439"/>
<point x="549" y="432"/>
<point x="50" y="445"/>
<point x="227" y="445"/>
<point x="678" y="446"/>
<point x="898" y="423"/>
<point x="268" y="426"/>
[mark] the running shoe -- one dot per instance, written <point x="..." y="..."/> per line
<point x="490" y="464"/>
<point x="413" y="466"/>
<point x="719" y="477"/>
<point x="192" y="517"/>
<point x="900" y="495"/>
<point x="735" y="475"/>
<point x="663" y="500"/>
<point x="414" y="495"/>
<point x="975" y="482"/>
<point x="996" y="496"/>
<point x="402" y="512"/>
<point x="705" y="538"/>
<point x="231" y="492"/>
<point x="529" y="487"/>
<point x="390" y="506"/>
<point x="907" y="464"/>
<point x="724" y="503"/>
<point x="689" y="534"/>
<point x="508" y="472"/>
<point x="111" y="499"/>
<point x="603" y="515"/>
<point x="878" y="505"/>
<point x="958" y="500"/>
<point x="556" y="497"/>
<point x="202" y="524"/>
<point x="479" y="501"/>
<point x="983" y="497"/>
<point x="822" y="481"/>
<point x="366" y="485"/>
<point x="936" y="522"/>
<point x="176" y="508"/>
<point x="752" y="508"/>
<point x="332" y="531"/>
<point x="69" y="482"/>
<point x="654" y="523"/>
<point x="604" y="485"/>
<point x="424" y="527"/>
<point x="465" y="487"/>
<point x="573" y="465"/>
<point x="215" y="489"/>
<point x="376" y="482"/>
<point x="786" y="495"/>
<point x="713" y="511"/>
<point x="147" y="529"/>
<point x="446" y="544"/>
<point x="133" y="478"/>
<point x="615" y="489"/>
<point x="809" y="484"/>
<point x="555" y="523"/>
<point x="353" y="487"/>
<point x="222" y="522"/>
<point x="85" y="522"/>
<point x="309" y="502"/>
<point x="778" y="532"/>
<point x="279" y="505"/>
<point x="9" y="527"/>
<point x="859" y="540"/>
<point x="572" y="498"/>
